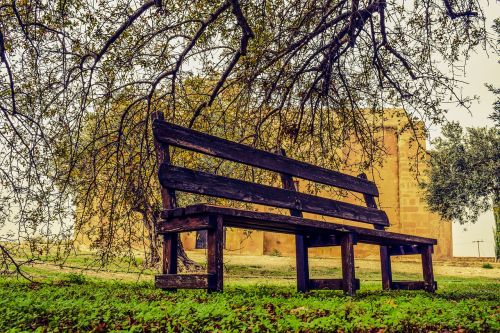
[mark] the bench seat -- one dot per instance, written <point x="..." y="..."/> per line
<point x="195" y="217"/>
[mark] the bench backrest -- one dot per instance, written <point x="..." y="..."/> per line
<point x="188" y="180"/>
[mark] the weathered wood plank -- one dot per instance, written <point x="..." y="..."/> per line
<point x="322" y="240"/>
<point x="188" y="281"/>
<point x="426" y="253"/>
<point x="369" y="198"/>
<point x="385" y="259"/>
<point x="168" y="133"/>
<point x="185" y="224"/>
<point x="247" y="219"/>
<point x="348" y="270"/>
<point x="402" y="250"/>
<point x="208" y="184"/>
<point x="331" y="284"/>
<point x="411" y="285"/>
<point x="301" y="252"/>
<point x="301" y="263"/>
<point x="169" y="201"/>
<point x="170" y="244"/>
<point x="215" y="248"/>
<point x="385" y="268"/>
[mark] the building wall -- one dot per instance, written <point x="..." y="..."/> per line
<point x="400" y="197"/>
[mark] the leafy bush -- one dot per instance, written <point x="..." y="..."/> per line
<point x="487" y="265"/>
<point x="275" y="253"/>
<point x="76" y="278"/>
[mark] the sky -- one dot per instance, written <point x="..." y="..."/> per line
<point x="482" y="68"/>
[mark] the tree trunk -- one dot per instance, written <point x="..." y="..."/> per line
<point x="150" y="220"/>
<point x="187" y="263"/>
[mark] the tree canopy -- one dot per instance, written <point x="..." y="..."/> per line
<point x="79" y="80"/>
<point x="464" y="177"/>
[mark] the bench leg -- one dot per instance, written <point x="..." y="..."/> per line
<point x="385" y="267"/>
<point x="169" y="264"/>
<point x="348" y="274"/>
<point x="215" y="243"/>
<point x="428" y="272"/>
<point x="302" y="263"/>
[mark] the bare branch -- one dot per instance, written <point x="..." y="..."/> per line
<point x="13" y="261"/>
<point x="451" y="13"/>
<point x="131" y="19"/>
<point x="3" y="59"/>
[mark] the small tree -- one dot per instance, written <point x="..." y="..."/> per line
<point x="464" y="174"/>
<point x="496" y="232"/>
<point x="465" y="169"/>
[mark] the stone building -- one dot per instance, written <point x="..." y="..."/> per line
<point x="400" y="196"/>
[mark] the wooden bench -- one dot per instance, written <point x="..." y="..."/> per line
<point x="309" y="233"/>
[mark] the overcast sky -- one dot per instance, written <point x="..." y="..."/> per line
<point x="482" y="68"/>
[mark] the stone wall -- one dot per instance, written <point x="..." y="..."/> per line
<point x="400" y="196"/>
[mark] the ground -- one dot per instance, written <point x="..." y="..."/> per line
<point x="259" y="296"/>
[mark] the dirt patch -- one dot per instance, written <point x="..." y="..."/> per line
<point x="262" y="266"/>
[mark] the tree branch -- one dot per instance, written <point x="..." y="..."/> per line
<point x="122" y="28"/>
<point x="3" y="59"/>
<point x="14" y="262"/>
<point x="451" y="13"/>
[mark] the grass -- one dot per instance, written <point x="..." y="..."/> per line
<point x="259" y="296"/>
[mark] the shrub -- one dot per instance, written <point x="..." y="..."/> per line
<point x="275" y="253"/>
<point x="75" y="278"/>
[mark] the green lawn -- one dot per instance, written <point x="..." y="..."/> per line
<point x="257" y="298"/>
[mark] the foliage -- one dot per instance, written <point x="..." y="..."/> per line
<point x="257" y="297"/>
<point x="76" y="278"/>
<point x="495" y="116"/>
<point x="496" y="231"/>
<point x="487" y="265"/>
<point x="275" y="253"/>
<point x="464" y="174"/>
<point x="101" y="305"/>
<point x="295" y="73"/>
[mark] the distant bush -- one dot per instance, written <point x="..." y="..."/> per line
<point x="75" y="278"/>
<point x="487" y="265"/>
<point x="275" y="253"/>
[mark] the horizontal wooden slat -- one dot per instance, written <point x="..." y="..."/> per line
<point x="332" y="284"/>
<point x="186" y="138"/>
<point x="410" y="285"/>
<point x="322" y="241"/>
<point x="208" y="184"/>
<point x="247" y="219"/>
<point x="188" y="281"/>
<point x="402" y="250"/>
<point x="185" y="224"/>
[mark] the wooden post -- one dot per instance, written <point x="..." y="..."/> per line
<point x="385" y="258"/>
<point x="427" y="268"/>
<point x="301" y="251"/>
<point x="170" y="243"/>
<point x="215" y="248"/>
<point x="348" y="274"/>
<point x="302" y="263"/>
<point x="169" y="201"/>
<point x="385" y="266"/>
